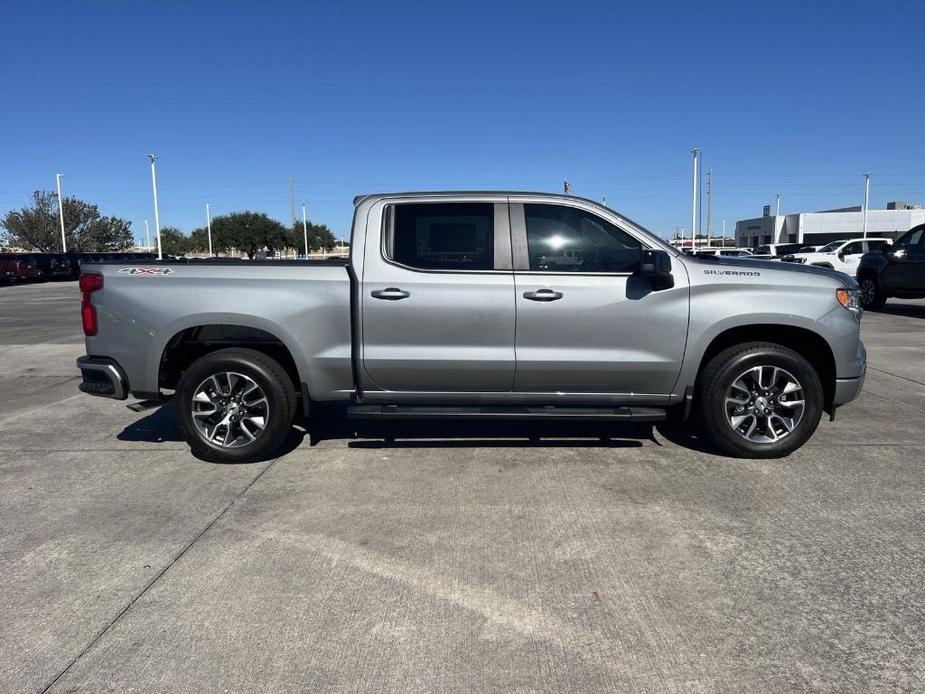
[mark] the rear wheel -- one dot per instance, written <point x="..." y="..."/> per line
<point x="235" y="406"/>
<point x="872" y="295"/>
<point x="759" y="400"/>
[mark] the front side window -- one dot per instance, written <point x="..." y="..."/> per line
<point x="442" y="236"/>
<point x="912" y="238"/>
<point x="565" y="239"/>
<point x="831" y="247"/>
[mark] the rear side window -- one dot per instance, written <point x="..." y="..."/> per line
<point x="877" y="245"/>
<point x="853" y="248"/>
<point x="565" y="239"/>
<point x="442" y="236"/>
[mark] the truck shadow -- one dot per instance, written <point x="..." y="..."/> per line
<point x="331" y="425"/>
<point x="908" y="310"/>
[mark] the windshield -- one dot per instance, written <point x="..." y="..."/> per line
<point x="830" y="247"/>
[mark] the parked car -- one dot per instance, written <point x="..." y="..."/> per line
<point x="733" y="252"/>
<point x="9" y="268"/>
<point x="52" y="265"/>
<point x="775" y="250"/>
<point x="896" y="270"/>
<point x="24" y="265"/>
<point x="843" y="255"/>
<point x="482" y="306"/>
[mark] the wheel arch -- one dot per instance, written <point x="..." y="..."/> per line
<point x="187" y="342"/>
<point x="810" y="345"/>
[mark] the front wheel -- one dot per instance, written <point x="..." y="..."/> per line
<point x="759" y="400"/>
<point x="871" y="294"/>
<point x="235" y="406"/>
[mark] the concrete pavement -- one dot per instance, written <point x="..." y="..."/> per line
<point x="464" y="558"/>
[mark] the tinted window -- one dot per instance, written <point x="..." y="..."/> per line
<point x="854" y="247"/>
<point x="443" y="236"/>
<point x="912" y="238"/>
<point x="763" y="250"/>
<point x="877" y="245"/>
<point x="564" y="239"/>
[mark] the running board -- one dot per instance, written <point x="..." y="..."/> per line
<point x="511" y="413"/>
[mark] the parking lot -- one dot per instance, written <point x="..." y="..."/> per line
<point x="453" y="558"/>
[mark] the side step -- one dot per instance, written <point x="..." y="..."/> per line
<point x="575" y="414"/>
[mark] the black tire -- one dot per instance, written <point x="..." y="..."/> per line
<point x="266" y="373"/>
<point x="717" y="379"/>
<point x="872" y="295"/>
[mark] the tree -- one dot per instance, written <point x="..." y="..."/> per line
<point x="319" y="237"/>
<point x="37" y="227"/>
<point x="199" y="241"/>
<point x="249" y="232"/>
<point x="173" y="241"/>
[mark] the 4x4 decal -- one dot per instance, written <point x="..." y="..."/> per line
<point x="147" y="270"/>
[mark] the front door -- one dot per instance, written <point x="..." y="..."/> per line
<point x="850" y="256"/>
<point x="586" y="323"/>
<point x="905" y="270"/>
<point x="437" y="298"/>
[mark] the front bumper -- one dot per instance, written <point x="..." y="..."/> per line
<point x="102" y="377"/>
<point x="847" y="389"/>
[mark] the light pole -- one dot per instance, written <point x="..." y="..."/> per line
<point x="157" y="214"/>
<point x="694" y="188"/>
<point x="147" y="236"/>
<point x="209" y="225"/>
<point x="61" y="211"/>
<point x="305" y="229"/>
<point x="866" y="199"/>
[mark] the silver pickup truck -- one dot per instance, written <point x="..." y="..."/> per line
<point x="479" y="305"/>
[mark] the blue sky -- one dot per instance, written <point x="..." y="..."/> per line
<point x="236" y="97"/>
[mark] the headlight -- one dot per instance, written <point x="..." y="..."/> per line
<point x="849" y="298"/>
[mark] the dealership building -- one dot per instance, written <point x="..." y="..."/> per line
<point x="819" y="228"/>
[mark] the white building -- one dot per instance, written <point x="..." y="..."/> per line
<point x="818" y="228"/>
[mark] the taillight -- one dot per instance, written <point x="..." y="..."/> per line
<point x="89" y="283"/>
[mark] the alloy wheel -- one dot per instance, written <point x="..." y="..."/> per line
<point x="764" y="404"/>
<point x="230" y="410"/>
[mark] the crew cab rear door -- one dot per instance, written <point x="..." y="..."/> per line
<point x="586" y="322"/>
<point x="437" y="297"/>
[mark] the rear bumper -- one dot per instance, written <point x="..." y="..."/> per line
<point x="102" y="377"/>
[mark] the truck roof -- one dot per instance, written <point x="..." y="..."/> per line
<point x="563" y="197"/>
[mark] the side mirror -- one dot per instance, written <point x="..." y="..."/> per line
<point x="656" y="265"/>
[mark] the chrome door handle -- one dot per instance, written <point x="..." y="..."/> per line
<point x="390" y="294"/>
<point x="543" y="295"/>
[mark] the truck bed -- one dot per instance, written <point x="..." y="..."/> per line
<point x="145" y="306"/>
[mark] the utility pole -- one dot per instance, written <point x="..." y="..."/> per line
<point x="209" y="225"/>
<point x="694" y="191"/>
<point x="157" y="214"/>
<point x="291" y="202"/>
<point x="866" y="200"/>
<point x="147" y="236"/>
<point x="709" y="206"/>
<point x="61" y="211"/>
<point x="305" y="229"/>
<point x="605" y="201"/>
